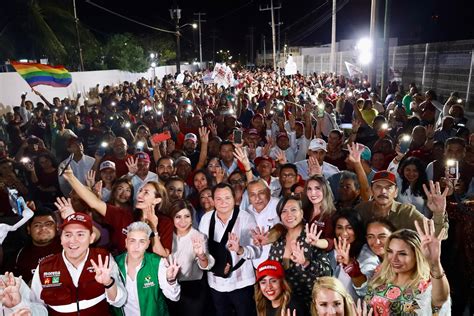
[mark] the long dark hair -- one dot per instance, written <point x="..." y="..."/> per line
<point x="46" y="155"/>
<point x="354" y="219"/>
<point x="417" y="188"/>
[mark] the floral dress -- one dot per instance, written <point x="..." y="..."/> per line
<point x="302" y="279"/>
<point x="390" y="300"/>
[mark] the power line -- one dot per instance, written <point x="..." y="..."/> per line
<point x="130" y="19"/>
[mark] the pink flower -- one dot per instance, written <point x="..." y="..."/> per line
<point x="393" y="293"/>
<point x="380" y="305"/>
<point x="423" y="285"/>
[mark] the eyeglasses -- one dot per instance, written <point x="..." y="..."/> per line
<point x="237" y="181"/>
<point x="288" y="175"/>
<point x="39" y="225"/>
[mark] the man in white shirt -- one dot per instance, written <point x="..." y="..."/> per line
<point x="263" y="208"/>
<point x="139" y="171"/>
<point x="317" y="149"/>
<point x="79" y="163"/>
<point x="230" y="243"/>
<point x="56" y="279"/>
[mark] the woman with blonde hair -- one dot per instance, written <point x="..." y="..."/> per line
<point x="411" y="280"/>
<point x="318" y="206"/>
<point x="329" y="297"/>
<point x="273" y="293"/>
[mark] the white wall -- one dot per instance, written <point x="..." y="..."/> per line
<point x="12" y="84"/>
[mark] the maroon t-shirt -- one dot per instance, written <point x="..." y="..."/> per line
<point x="328" y="230"/>
<point x="120" y="164"/>
<point x="30" y="256"/>
<point x="119" y="218"/>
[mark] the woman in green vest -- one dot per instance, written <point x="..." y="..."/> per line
<point x="147" y="277"/>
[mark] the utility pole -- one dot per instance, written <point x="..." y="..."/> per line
<point x="272" y="9"/>
<point x="176" y="15"/>
<point x="333" y="38"/>
<point x="79" y="47"/>
<point x="386" y="39"/>
<point x="199" y="14"/>
<point x="373" y="39"/>
<point x="214" y="36"/>
<point x="251" y="29"/>
<point x="264" y="52"/>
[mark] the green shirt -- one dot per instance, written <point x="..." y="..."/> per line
<point x="400" y="215"/>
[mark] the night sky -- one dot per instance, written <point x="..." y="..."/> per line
<point x="305" y="22"/>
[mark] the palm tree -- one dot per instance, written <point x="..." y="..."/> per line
<point x="36" y="29"/>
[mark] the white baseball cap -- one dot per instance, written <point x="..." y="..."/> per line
<point x="317" y="144"/>
<point x="107" y="164"/>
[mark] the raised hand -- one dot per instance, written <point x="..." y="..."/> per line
<point x="314" y="167"/>
<point x="288" y="312"/>
<point x="213" y="128"/>
<point x="102" y="270"/>
<point x="199" y="246"/>
<point x="241" y="155"/>
<point x="252" y="151"/>
<point x="172" y="269"/>
<point x="356" y="125"/>
<point x="436" y="201"/>
<point x="149" y="216"/>
<point x="90" y="179"/>
<point x="132" y="165"/>
<point x="361" y="309"/>
<point x="430" y="243"/>
<point x="292" y="121"/>
<point x="98" y="189"/>
<point x="203" y="135"/>
<point x="342" y="248"/>
<point x="10" y="290"/>
<point x="233" y="242"/>
<point x="297" y="253"/>
<point x="220" y="175"/>
<point x="175" y="127"/>
<point x="312" y="234"/>
<point x="430" y="132"/>
<point x="22" y="312"/>
<point x="268" y="146"/>
<point x="259" y="236"/>
<point x="64" y="206"/>
<point x="355" y="150"/>
<point x="281" y="156"/>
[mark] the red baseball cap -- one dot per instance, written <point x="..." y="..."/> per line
<point x="78" y="218"/>
<point x="142" y="156"/>
<point x="385" y="175"/>
<point x="270" y="268"/>
<point x="252" y="131"/>
<point x="258" y="160"/>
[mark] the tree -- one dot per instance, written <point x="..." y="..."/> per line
<point x="159" y="43"/>
<point x="124" y="52"/>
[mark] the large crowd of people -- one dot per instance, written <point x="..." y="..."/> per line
<point x="279" y="195"/>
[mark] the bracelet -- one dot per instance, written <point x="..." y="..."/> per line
<point x="111" y="284"/>
<point x="438" y="277"/>
<point x="155" y="234"/>
<point x="248" y="170"/>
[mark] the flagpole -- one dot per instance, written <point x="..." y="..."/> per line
<point x="76" y="20"/>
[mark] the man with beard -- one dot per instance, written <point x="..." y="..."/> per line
<point x="44" y="243"/>
<point x="139" y="171"/>
<point x="165" y="169"/>
<point x="383" y="205"/>
<point x="189" y="147"/>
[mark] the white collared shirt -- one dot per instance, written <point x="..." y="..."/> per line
<point x="266" y="219"/>
<point x="244" y="276"/>
<point x="327" y="169"/>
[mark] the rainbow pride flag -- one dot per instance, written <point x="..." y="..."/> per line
<point x="37" y="74"/>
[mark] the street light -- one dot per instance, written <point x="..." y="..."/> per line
<point x="364" y="46"/>
<point x="176" y="16"/>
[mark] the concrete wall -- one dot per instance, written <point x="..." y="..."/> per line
<point x="12" y="84"/>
